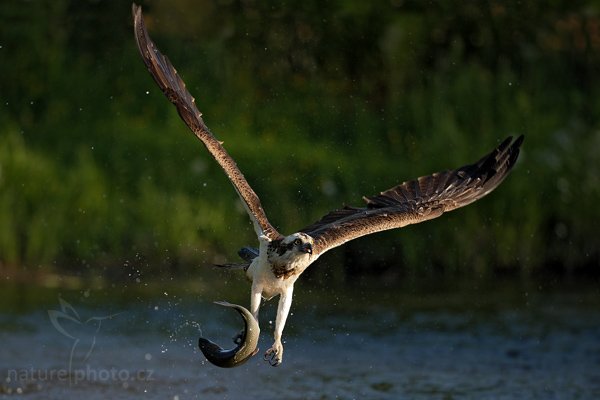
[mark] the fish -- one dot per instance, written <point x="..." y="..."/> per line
<point x="247" y="342"/>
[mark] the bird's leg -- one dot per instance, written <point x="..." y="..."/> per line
<point x="255" y="298"/>
<point x="275" y="354"/>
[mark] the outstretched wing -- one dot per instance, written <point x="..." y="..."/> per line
<point x="174" y="88"/>
<point x="416" y="201"/>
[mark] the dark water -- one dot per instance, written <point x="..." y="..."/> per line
<point x="444" y="343"/>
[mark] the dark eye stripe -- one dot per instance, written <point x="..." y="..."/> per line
<point x="281" y="250"/>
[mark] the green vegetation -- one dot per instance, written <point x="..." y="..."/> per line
<point x="319" y="103"/>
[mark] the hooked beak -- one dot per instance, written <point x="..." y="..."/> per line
<point x="307" y="248"/>
<point x="246" y="348"/>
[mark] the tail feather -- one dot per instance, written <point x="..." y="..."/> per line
<point x="248" y="253"/>
<point x="233" y="266"/>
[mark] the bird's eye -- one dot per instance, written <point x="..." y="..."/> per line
<point x="297" y="242"/>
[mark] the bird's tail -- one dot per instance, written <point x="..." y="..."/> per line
<point x="233" y="266"/>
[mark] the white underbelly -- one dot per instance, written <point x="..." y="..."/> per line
<point x="263" y="277"/>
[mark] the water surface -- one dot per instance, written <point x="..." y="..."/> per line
<point x="131" y="342"/>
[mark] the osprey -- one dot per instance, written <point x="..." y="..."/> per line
<point x="275" y="266"/>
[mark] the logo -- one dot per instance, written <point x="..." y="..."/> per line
<point x="81" y="331"/>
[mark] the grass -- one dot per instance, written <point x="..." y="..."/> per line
<point x="106" y="178"/>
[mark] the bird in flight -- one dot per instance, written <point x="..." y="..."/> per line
<point x="278" y="262"/>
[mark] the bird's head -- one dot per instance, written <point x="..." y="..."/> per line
<point x="293" y="248"/>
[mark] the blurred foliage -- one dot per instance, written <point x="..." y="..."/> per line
<point x="320" y="102"/>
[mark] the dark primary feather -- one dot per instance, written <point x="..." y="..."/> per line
<point x="418" y="200"/>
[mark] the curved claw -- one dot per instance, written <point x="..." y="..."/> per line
<point x="272" y="359"/>
<point x="274" y="355"/>
<point x="246" y="348"/>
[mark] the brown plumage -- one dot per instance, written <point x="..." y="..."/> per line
<point x="174" y="88"/>
<point x="411" y="202"/>
<point x="416" y="201"/>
